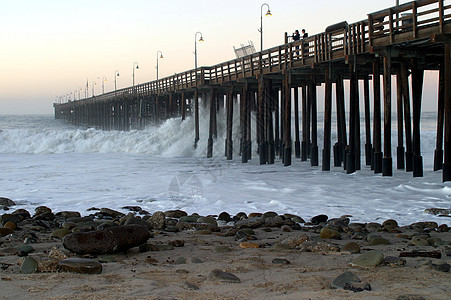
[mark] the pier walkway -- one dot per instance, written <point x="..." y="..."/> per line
<point x="275" y="83"/>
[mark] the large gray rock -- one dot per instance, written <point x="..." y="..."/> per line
<point x="109" y="240"/>
<point x="370" y="259"/>
<point x="344" y="278"/>
<point x="6" y="202"/>
<point x="250" y="223"/>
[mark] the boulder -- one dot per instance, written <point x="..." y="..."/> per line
<point x="80" y="265"/>
<point x="109" y="240"/>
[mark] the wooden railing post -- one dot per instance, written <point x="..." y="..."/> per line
<point x="441" y="15"/>
<point x="390" y="23"/>
<point x="414" y="19"/>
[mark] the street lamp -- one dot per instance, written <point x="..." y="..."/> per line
<point x="195" y="47"/>
<point x="93" y="88"/>
<point x="268" y="13"/>
<point x="161" y="56"/>
<point x="79" y="90"/>
<point x="116" y="74"/>
<point x="137" y="67"/>
<point x="103" y="84"/>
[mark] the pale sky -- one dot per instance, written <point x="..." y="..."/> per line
<point x="49" y="48"/>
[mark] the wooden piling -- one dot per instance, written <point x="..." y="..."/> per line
<point x="399" y="111"/>
<point x="314" y="148"/>
<point x="211" y="124"/>
<point x="407" y="119"/>
<point x="196" y="117"/>
<point x="368" y="145"/>
<point x="287" y="121"/>
<point x="327" y="119"/>
<point x="387" y="161"/>
<point x="417" y="90"/>
<point x="229" y="112"/>
<point x="377" y="139"/>
<point x="304" y="144"/>
<point x="297" y="143"/>
<point x="447" y="144"/>
<point x="351" y="154"/>
<point x="438" y="152"/>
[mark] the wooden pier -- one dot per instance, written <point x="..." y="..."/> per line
<point x="403" y="41"/>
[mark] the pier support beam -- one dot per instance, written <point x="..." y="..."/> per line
<point x="261" y="121"/>
<point x="368" y="145"/>
<point x="339" y="147"/>
<point x="447" y="144"/>
<point x="377" y="138"/>
<point x="211" y="125"/>
<point x="196" y="117"/>
<point x="244" y="122"/>
<point x="305" y="124"/>
<point x="353" y="98"/>
<point x="287" y="121"/>
<point x="417" y="90"/>
<point x="327" y="119"/>
<point x="399" y="110"/>
<point x="407" y="120"/>
<point x="297" y="143"/>
<point x="387" y="161"/>
<point x="438" y="153"/>
<point x="314" y="148"/>
<point x="229" y="109"/>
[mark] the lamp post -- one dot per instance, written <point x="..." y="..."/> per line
<point x="268" y="13"/>
<point x="161" y="56"/>
<point x="93" y="88"/>
<point x="79" y="90"/>
<point x="103" y="84"/>
<point x="201" y="39"/>
<point x="137" y="67"/>
<point x="116" y="74"/>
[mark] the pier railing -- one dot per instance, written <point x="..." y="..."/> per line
<point x="408" y="22"/>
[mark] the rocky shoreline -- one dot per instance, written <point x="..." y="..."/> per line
<point x="173" y="255"/>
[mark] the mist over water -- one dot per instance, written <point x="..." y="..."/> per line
<point x="49" y="162"/>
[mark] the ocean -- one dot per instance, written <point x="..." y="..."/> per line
<point x="50" y="162"/>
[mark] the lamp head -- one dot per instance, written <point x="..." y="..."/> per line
<point x="268" y="13"/>
<point x="137" y="66"/>
<point x="161" y="56"/>
<point x="201" y="39"/>
<point x="117" y="74"/>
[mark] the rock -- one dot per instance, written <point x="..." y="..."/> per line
<point x="57" y="254"/>
<point x="29" y="265"/>
<point x="294" y="218"/>
<point x="392" y="261"/>
<point x="319" y="219"/>
<point x="202" y="231"/>
<point x="175" y="213"/>
<point x="10" y="225"/>
<point x="371" y="227"/>
<point x="391" y="223"/>
<point x="189" y="219"/>
<point x="157" y="220"/>
<point x="423" y="225"/>
<point x="295" y="241"/>
<point x="137" y="221"/>
<point x="6" y="202"/>
<point x="224" y="216"/>
<point x="419" y="241"/>
<point x="22" y="213"/>
<point x="196" y="260"/>
<point x="246" y="245"/>
<point x="197" y="226"/>
<point x="370" y="259"/>
<point x="190" y="286"/>
<point x="218" y="275"/>
<point x="343" y="279"/>
<point x="60" y="233"/>
<point x="439" y="265"/>
<point x="270" y="214"/>
<point x="207" y="220"/>
<point x="80" y="265"/>
<point x="352" y="247"/>
<point x="250" y="223"/>
<point x="286" y="228"/>
<point x="379" y="241"/>
<point x="222" y="249"/>
<point x="5" y="231"/>
<point x="177" y="243"/>
<point x="45" y="216"/>
<point x="111" y="212"/>
<point x="41" y="210"/>
<point x="24" y="250"/>
<point x="110" y="240"/>
<point x="5" y="218"/>
<point x="329" y="233"/>
<point x="132" y="208"/>
<point x="68" y="214"/>
<point x="280" y="261"/>
<point x="282" y="247"/>
<point x="275" y="221"/>
<point x="180" y="261"/>
<point x="357" y="286"/>
<point x="438" y="211"/>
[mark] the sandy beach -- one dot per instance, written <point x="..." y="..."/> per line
<point x="260" y="256"/>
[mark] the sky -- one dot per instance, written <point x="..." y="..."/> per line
<point x="52" y="48"/>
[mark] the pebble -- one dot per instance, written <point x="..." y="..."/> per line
<point x="29" y="265"/>
<point x="439" y="265"/>
<point x="196" y="260"/>
<point x="224" y="216"/>
<point x="180" y="261"/>
<point x="250" y="223"/>
<point x="111" y="212"/>
<point x="157" y="220"/>
<point x="189" y="219"/>
<point x="370" y="259"/>
<point x="207" y="220"/>
<point x="280" y="261"/>
<point x="5" y="231"/>
<point x="5" y="218"/>
<point x="357" y="286"/>
<point x="393" y="261"/>
<point x="352" y="247"/>
<point x="419" y="241"/>
<point x="24" y="250"/>
<point x="157" y="247"/>
<point x="10" y="225"/>
<point x="80" y="265"/>
<point x="175" y="213"/>
<point x="177" y="243"/>
<point x="222" y="249"/>
<point x="190" y="286"/>
<point x="342" y="279"/>
<point x="218" y="275"/>
<point x="60" y="233"/>
<point x="246" y="245"/>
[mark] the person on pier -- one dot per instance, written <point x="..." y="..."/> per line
<point x="296" y="37"/>
<point x="305" y="35"/>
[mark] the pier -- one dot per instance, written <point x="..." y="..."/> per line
<point x="275" y="83"/>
